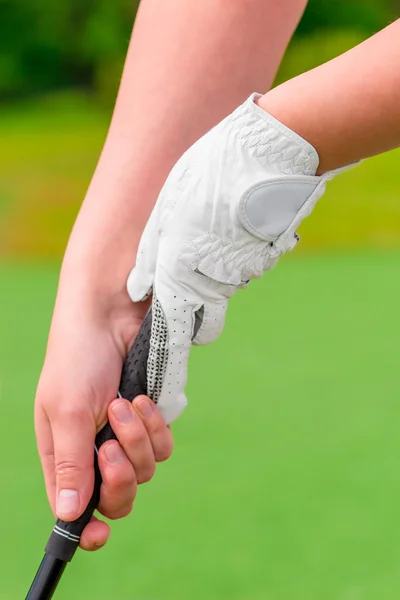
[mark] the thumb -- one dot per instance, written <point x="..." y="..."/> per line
<point x="73" y="441"/>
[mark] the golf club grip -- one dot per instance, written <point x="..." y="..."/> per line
<point x="65" y="537"/>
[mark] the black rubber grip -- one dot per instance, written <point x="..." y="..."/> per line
<point x="65" y="537"/>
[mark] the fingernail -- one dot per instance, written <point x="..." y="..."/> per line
<point x="114" y="454"/>
<point x="99" y="545"/>
<point x="67" y="503"/>
<point x="122" y="412"/>
<point x="145" y="407"/>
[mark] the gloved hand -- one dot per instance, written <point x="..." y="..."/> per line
<point x="228" y="210"/>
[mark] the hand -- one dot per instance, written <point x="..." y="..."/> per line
<point x="229" y="209"/>
<point x="75" y="397"/>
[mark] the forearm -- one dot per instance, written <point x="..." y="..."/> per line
<point x="348" y="108"/>
<point x="189" y="64"/>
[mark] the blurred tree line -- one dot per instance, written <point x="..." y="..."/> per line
<point x="47" y="45"/>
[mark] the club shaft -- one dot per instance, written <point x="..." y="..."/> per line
<point x="46" y="579"/>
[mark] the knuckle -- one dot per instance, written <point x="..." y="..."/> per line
<point x="119" y="514"/>
<point x="164" y="454"/>
<point x="164" y="451"/>
<point x="121" y="479"/>
<point x="157" y="430"/>
<point x="137" y="434"/>
<point x="145" y="475"/>
<point x="116" y="503"/>
<point x="72" y="412"/>
<point x="68" y="467"/>
<point x="67" y="412"/>
<point x="43" y="388"/>
<point x="157" y="427"/>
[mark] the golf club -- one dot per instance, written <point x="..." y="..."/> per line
<point x="64" y="539"/>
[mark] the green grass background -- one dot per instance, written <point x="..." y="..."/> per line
<point x="285" y="481"/>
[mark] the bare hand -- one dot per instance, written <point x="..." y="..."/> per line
<point x="75" y="397"/>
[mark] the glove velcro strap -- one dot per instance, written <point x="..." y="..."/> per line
<point x="268" y="208"/>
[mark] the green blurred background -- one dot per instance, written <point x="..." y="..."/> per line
<point x="294" y="493"/>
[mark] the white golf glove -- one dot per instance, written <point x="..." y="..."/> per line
<point x="228" y="210"/>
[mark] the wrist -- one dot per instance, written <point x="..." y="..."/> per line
<point x="297" y="116"/>
<point x="103" y="244"/>
<point x="88" y="283"/>
<point x="85" y="301"/>
<point x="288" y="115"/>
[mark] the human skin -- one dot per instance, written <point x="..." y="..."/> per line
<point x="189" y="64"/>
<point x="349" y="107"/>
